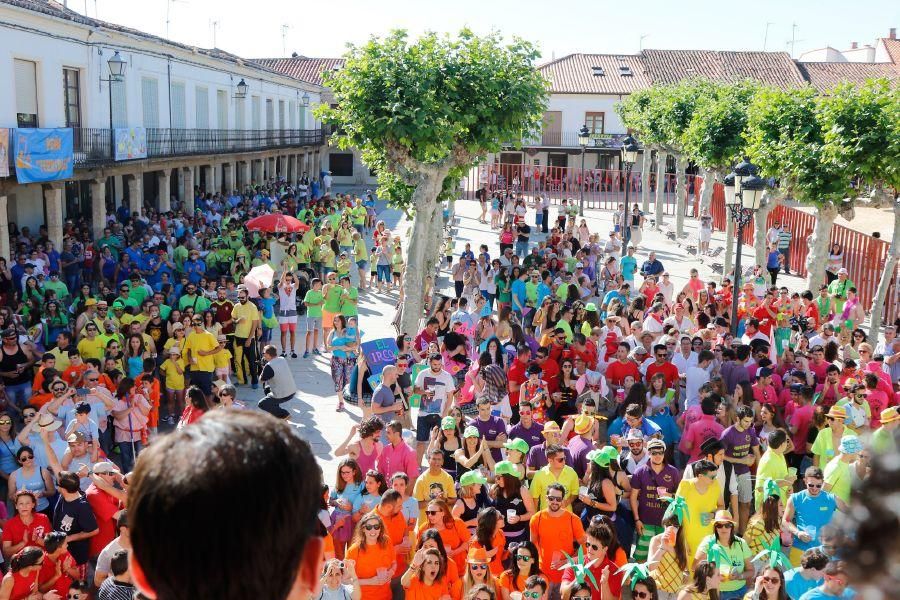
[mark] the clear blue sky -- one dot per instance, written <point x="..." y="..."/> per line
<point x="254" y="28"/>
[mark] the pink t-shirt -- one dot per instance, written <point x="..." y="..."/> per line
<point x="878" y="401"/>
<point x="700" y="430"/>
<point x="801" y="418"/>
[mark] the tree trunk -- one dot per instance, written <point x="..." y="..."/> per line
<point x="817" y="259"/>
<point x="706" y="190"/>
<point x="661" y="159"/>
<point x="646" y="165"/>
<point x="890" y="269"/>
<point x="760" y="229"/>
<point x="729" y="245"/>
<point x="423" y="199"/>
<point x="436" y="237"/>
<point x="680" y="193"/>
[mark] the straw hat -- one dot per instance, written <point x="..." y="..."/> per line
<point x="889" y="415"/>
<point x="48" y="423"/>
<point x="724" y="516"/>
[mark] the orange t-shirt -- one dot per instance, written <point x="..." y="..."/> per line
<point x="456" y="589"/>
<point x="553" y="536"/>
<point x="153" y="416"/>
<point x="328" y="546"/>
<point x="397" y="532"/>
<point x="367" y="565"/>
<point x="38" y="380"/>
<point x="453" y="537"/>
<point x="417" y="590"/>
<point x="74" y="374"/>
<point x="38" y="400"/>
<point x="506" y="582"/>
<point x="499" y="541"/>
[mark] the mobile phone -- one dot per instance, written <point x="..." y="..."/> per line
<point x="81" y="391"/>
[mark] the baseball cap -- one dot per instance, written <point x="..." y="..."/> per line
<point x="471" y="478"/>
<point x="504" y="467"/>
<point x="471" y="431"/>
<point x="76" y="436"/>
<point x="517" y="444"/>
<point x="656" y="443"/>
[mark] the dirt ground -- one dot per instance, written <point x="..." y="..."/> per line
<point x="867" y="220"/>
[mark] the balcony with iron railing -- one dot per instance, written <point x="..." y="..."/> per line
<point x="93" y="147"/>
<point x="568" y="139"/>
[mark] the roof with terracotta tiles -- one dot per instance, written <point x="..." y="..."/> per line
<point x="303" y="68"/>
<point x="574" y="74"/>
<point x="892" y="46"/>
<point x="827" y="75"/>
<point x="771" y="68"/>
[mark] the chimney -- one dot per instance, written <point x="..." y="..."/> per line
<point x="893" y="34"/>
<point x="853" y="45"/>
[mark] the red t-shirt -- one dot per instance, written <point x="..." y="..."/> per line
<point x="766" y="321"/>
<point x="14" y="530"/>
<point x="811" y="312"/>
<point x="48" y="570"/>
<point x="669" y="371"/>
<point x="105" y="507"/>
<point x="617" y="371"/>
<point x="615" y="579"/>
<point x="550" y="374"/>
<point x="516" y="375"/>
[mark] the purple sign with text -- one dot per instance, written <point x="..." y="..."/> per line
<point x="379" y="353"/>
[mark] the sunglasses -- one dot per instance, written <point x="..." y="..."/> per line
<point x="373" y="527"/>
<point x="478" y="566"/>
<point x="5" y="422"/>
<point x="724" y="526"/>
<point x="59" y="389"/>
<point x="594" y="547"/>
<point x="523" y="558"/>
<point x="531" y="595"/>
<point x="815" y="486"/>
<point x="25" y="457"/>
<point x="657" y="453"/>
<point x="29" y="415"/>
<point x="432" y="512"/>
<point x="772" y="580"/>
<point x="554" y="498"/>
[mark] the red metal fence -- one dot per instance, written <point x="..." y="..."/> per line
<point x="864" y="255"/>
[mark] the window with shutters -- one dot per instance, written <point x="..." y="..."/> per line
<point x="26" y="93"/>
<point x="72" y="96"/>
<point x="254" y="112"/>
<point x="240" y="117"/>
<point x="270" y="114"/>
<point x="150" y="102"/>
<point x="202" y="113"/>
<point x="281" y="114"/>
<point x="302" y="117"/>
<point x="179" y="110"/>
<point x="292" y="115"/>
<point x="221" y="109"/>
<point x="594" y="122"/>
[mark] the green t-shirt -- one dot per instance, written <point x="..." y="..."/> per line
<point x="349" y="302"/>
<point x="737" y="553"/>
<point x="503" y="291"/>
<point x="531" y="293"/>
<point x="333" y="299"/>
<point x="164" y="311"/>
<point x="358" y="214"/>
<point x="57" y="286"/>
<point x="567" y="328"/>
<point x="313" y="299"/>
<point x="179" y="255"/>
<point x="199" y="303"/>
<point x="138" y="293"/>
<point x="837" y="475"/>
<point x="771" y="466"/>
<point x="360" y="252"/>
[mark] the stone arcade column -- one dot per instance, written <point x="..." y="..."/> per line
<point x="136" y="193"/>
<point x="188" y="201"/>
<point x="245" y="175"/>
<point x="164" y="183"/>
<point x="256" y="168"/>
<point x="53" y="201"/>
<point x="228" y="178"/>
<point x="4" y="231"/>
<point x="98" y="207"/>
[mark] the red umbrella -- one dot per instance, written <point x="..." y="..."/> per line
<point x="277" y="223"/>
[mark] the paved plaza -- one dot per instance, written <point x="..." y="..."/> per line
<point x="313" y="409"/>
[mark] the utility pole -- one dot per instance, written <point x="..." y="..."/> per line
<point x="215" y="27"/>
<point x="641" y="42"/>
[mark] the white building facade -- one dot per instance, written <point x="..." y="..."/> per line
<point x="212" y="120"/>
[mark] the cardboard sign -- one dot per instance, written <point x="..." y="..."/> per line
<point x="380" y="353"/>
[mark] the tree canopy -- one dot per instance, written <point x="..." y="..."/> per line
<point x="435" y="102"/>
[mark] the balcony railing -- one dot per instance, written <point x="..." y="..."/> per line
<point x="569" y="139"/>
<point x="93" y="147"/>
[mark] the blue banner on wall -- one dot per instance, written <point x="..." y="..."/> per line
<point x="44" y="155"/>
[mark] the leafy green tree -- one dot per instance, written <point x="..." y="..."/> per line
<point x="423" y="112"/>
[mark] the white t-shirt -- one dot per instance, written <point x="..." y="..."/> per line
<point x="103" y="561"/>
<point x="441" y="383"/>
<point x="696" y="377"/>
<point x="685" y="326"/>
<point x="683" y="363"/>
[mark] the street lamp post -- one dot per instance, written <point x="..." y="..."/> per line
<point x="116" y="67"/>
<point x="584" y="138"/>
<point x="629" y="158"/>
<point x="743" y="196"/>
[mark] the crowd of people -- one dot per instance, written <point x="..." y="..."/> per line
<point x="566" y="424"/>
<point x="109" y="343"/>
<point x="569" y="423"/>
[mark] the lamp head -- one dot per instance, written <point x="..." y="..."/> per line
<point x="584" y="136"/>
<point x="116" y="66"/>
<point x="242" y="89"/>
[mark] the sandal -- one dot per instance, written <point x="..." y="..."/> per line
<point x="340" y="407"/>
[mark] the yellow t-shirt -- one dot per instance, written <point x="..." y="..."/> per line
<point x="174" y="379"/>
<point x="694" y="528"/>
<point x="422" y="488"/>
<point x="568" y="478"/>
<point x="222" y="359"/>
<point x="247" y="313"/>
<point x="206" y="342"/>
<point x="95" y="348"/>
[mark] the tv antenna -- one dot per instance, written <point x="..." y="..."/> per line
<point x="641" y="41"/>
<point x="766" y="36"/>
<point x="169" y="4"/>
<point x="794" y="39"/>
<point x="214" y="25"/>
<point x="284" y="31"/>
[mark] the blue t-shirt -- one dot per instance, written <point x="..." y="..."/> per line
<point x="268" y="306"/>
<point x="772" y="260"/>
<point x="811" y="514"/>
<point x="519" y="291"/>
<point x="796" y="584"/>
<point x="817" y="593"/>
<point x="628" y="267"/>
<point x="543" y="290"/>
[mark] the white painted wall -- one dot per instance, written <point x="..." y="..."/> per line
<point x="864" y="54"/>
<point x="54" y="44"/>
<point x="574" y="107"/>
<point x="828" y="54"/>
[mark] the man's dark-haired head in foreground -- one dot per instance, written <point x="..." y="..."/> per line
<point x="226" y="509"/>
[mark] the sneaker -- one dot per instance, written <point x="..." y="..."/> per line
<point x="293" y="355"/>
<point x="284" y="355"/>
<point x="306" y="354"/>
<point x="316" y="352"/>
<point x="255" y="386"/>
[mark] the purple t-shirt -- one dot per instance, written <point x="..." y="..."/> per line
<point x="537" y="458"/>
<point x="738" y="444"/>
<point x="490" y="430"/>
<point x="533" y="435"/>
<point x="579" y="447"/>
<point x="646" y="480"/>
